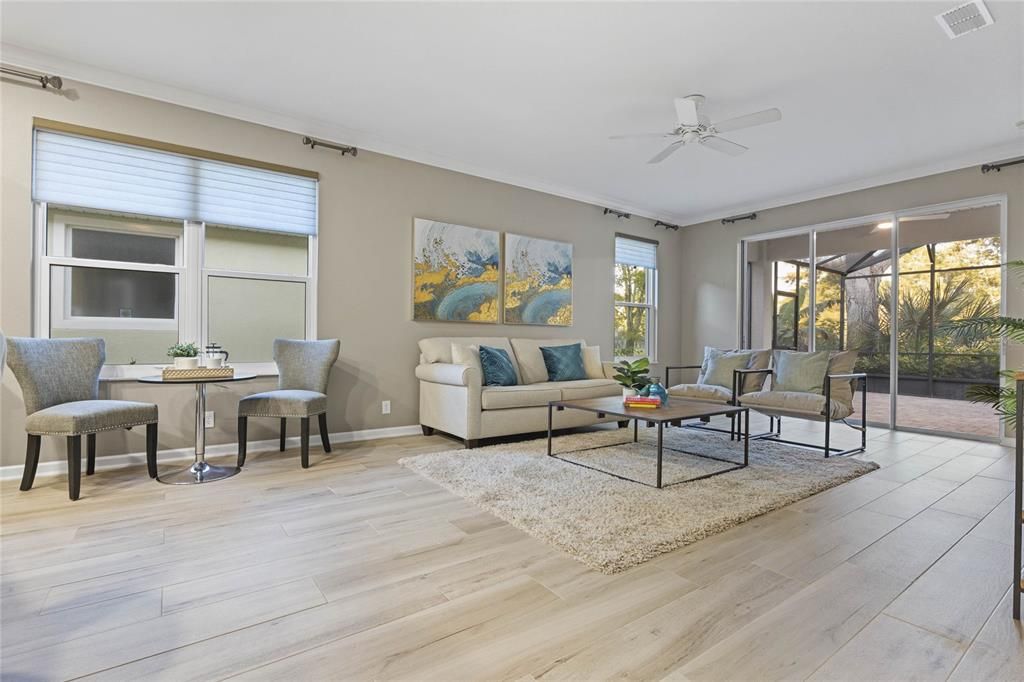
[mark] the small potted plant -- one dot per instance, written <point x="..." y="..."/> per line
<point x="186" y="355"/>
<point x="632" y="376"/>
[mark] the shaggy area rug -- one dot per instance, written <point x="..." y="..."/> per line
<point x="610" y="524"/>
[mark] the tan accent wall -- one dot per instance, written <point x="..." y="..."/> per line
<point x="367" y="205"/>
<point x="710" y="265"/>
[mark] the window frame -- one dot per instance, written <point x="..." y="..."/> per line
<point x="651" y="304"/>
<point x="192" y="287"/>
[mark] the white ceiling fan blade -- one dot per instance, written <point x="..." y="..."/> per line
<point x="689" y="109"/>
<point x="720" y="144"/>
<point x="638" y="136"/>
<point x="755" y="119"/>
<point x="666" y="152"/>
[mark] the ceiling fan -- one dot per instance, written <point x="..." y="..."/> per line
<point x="696" y="128"/>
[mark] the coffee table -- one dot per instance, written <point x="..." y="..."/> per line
<point x="675" y="412"/>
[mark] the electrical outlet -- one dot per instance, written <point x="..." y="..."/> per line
<point x="385" y="407"/>
<point x="209" y="419"/>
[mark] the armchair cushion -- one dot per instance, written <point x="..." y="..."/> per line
<point x="704" y="392"/>
<point x="283" y="403"/>
<point x="794" y="402"/>
<point x="842" y="362"/>
<point x="719" y="365"/>
<point x="759" y="359"/>
<point x="800" y="372"/>
<point x="89" y="416"/>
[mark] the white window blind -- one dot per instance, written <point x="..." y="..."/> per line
<point x="99" y="174"/>
<point x="637" y="252"/>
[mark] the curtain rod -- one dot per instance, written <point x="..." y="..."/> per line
<point x="45" y="80"/>
<point x="313" y="143"/>
<point x="985" y="168"/>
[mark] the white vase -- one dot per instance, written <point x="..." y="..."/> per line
<point x="186" y="363"/>
<point x="628" y="393"/>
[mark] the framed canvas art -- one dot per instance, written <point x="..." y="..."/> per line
<point x="538" y="281"/>
<point x="456" y="272"/>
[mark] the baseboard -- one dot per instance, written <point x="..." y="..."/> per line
<point x="56" y="467"/>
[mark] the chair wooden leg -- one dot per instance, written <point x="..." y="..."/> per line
<point x="243" y="429"/>
<point x="31" y="461"/>
<point x="74" y="466"/>
<point x="325" y="437"/>
<point x="90" y="454"/>
<point x="304" y="440"/>
<point x="151" y="437"/>
<point x="284" y="428"/>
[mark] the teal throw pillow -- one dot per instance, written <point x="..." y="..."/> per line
<point x="497" y="367"/>
<point x="720" y="366"/>
<point x="564" y="363"/>
<point x="799" y="371"/>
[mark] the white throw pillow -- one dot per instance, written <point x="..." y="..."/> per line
<point x="592" y="362"/>
<point x="467" y="355"/>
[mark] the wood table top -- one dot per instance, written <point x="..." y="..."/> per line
<point x="676" y="409"/>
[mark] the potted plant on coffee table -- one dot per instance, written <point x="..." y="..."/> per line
<point x="186" y="355"/>
<point x="633" y="376"/>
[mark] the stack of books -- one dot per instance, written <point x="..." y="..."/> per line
<point x="646" y="402"/>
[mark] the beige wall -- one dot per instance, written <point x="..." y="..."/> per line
<point x="709" y="267"/>
<point x="366" y="209"/>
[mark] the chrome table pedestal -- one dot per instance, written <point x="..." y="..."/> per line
<point x="201" y="471"/>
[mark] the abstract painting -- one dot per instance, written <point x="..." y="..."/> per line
<point x="538" y="281"/>
<point x="455" y="276"/>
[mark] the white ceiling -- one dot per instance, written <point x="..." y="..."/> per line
<point x="529" y="93"/>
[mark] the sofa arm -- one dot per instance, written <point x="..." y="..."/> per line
<point x="452" y="375"/>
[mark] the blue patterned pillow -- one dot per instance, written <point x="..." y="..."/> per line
<point x="564" y="363"/>
<point x="497" y="367"/>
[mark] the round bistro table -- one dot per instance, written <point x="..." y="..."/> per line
<point x="200" y="471"/>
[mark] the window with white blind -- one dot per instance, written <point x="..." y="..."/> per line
<point x="146" y="247"/>
<point x="636" y="297"/>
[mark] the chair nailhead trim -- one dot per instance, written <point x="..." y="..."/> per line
<point x="85" y="433"/>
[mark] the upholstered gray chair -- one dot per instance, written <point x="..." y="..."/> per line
<point x="60" y="382"/>
<point x="303" y="370"/>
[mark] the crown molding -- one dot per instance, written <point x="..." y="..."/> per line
<point x="113" y="80"/>
<point x="966" y="160"/>
<point x="364" y="140"/>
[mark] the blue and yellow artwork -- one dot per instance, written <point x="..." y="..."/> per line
<point x="538" y="281"/>
<point x="455" y="276"/>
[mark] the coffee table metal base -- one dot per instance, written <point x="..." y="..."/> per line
<point x="742" y="413"/>
<point x="200" y="472"/>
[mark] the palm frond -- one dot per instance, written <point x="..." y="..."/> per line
<point x="1003" y="400"/>
<point x="969" y="329"/>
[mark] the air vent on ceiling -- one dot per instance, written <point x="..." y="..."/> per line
<point x="964" y="19"/>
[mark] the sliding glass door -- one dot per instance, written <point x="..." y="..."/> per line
<point x="949" y="275"/>
<point x="901" y="290"/>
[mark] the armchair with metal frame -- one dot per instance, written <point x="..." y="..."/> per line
<point x="775" y="413"/>
<point x="716" y="398"/>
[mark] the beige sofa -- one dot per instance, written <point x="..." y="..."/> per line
<point x="454" y="401"/>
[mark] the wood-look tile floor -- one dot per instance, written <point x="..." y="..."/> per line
<point x="359" y="569"/>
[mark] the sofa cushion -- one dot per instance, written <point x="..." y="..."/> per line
<point x="793" y="402"/>
<point x="800" y="371"/>
<point x="497" y="367"/>
<point x="467" y="355"/>
<point x="592" y="362"/>
<point x="564" y="363"/>
<point x="702" y="392"/>
<point x="523" y="395"/>
<point x="532" y="369"/>
<point x="89" y="416"/>
<point x="587" y="388"/>
<point x="439" y="348"/>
